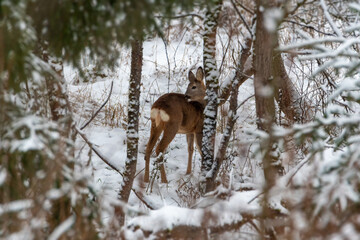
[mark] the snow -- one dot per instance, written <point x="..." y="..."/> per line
<point x="329" y="18"/>
<point x="62" y="228"/>
<point x="165" y="69"/>
<point x="272" y="18"/>
<point x="3" y="174"/>
<point x="15" y="206"/>
<point x="30" y="138"/>
<point x="226" y="212"/>
<point x="172" y="200"/>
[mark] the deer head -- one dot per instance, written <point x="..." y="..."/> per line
<point x="196" y="89"/>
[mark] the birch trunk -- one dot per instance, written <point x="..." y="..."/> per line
<point x="212" y="88"/>
<point x="133" y="126"/>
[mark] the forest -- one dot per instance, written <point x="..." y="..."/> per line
<point x="193" y="119"/>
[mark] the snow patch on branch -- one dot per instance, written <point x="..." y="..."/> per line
<point x="272" y="18"/>
<point x="62" y="228"/>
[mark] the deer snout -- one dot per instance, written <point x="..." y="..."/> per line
<point x="187" y="98"/>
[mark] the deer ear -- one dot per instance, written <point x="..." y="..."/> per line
<point x="200" y="74"/>
<point x="191" y="77"/>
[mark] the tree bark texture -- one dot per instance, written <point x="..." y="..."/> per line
<point x="265" y="90"/>
<point x="133" y="124"/>
<point x="263" y="59"/>
<point x="212" y="88"/>
<point x="266" y="86"/>
<point x="56" y="90"/>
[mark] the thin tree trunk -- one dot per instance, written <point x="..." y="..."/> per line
<point x="56" y="90"/>
<point x="242" y="73"/>
<point x="2" y="81"/>
<point x="2" y="54"/>
<point x="239" y="79"/>
<point x="212" y="88"/>
<point x="133" y="126"/>
<point x="60" y="113"/>
<point x="295" y="108"/>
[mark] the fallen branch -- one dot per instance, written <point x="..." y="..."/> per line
<point x="139" y="195"/>
<point x="97" y="151"/>
<point x="96" y="113"/>
<point x="198" y="232"/>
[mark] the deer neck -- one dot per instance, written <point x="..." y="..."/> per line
<point x="202" y="103"/>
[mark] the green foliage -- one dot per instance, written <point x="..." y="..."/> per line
<point x="39" y="189"/>
<point x="18" y="42"/>
<point x="69" y="27"/>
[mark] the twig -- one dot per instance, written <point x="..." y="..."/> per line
<point x="245" y="8"/>
<point x="168" y="61"/>
<point x="242" y="18"/>
<point x="96" y="113"/>
<point x="224" y="55"/>
<point x="329" y="19"/>
<point x="141" y="198"/>
<point x="182" y="16"/>
<point x="309" y="27"/>
<point x="300" y="165"/>
<point x="255" y="197"/>
<point x="254" y="226"/>
<point x="98" y="153"/>
<point x="243" y="102"/>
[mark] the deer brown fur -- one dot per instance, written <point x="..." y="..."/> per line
<point x="176" y="113"/>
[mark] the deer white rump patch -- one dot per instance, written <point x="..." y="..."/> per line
<point x="159" y="115"/>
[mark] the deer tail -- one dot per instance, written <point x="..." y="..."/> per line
<point x="159" y="115"/>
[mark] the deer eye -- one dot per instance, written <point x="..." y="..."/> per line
<point x="193" y="87"/>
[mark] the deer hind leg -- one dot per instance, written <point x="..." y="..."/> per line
<point x="190" y="142"/>
<point x="154" y="136"/>
<point x="170" y="131"/>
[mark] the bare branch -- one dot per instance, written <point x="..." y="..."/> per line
<point x="141" y="197"/>
<point x="242" y="18"/>
<point x="240" y="75"/>
<point x="245" y="8"/>
<point x="97" y="112"/>
<point x="328" y="17"/>
<point x="97" y="151"/>
<point x="182" y="16"/>
<point x="309" y="27"/>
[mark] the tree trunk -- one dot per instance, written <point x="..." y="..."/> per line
<point x="61" y="114"/>
<point x="133" y="126"/>
<point x="265" y="90"/>
<point x="212" y="88"/>
<point x="236" y="82"/>
<point x="265" y="87"/>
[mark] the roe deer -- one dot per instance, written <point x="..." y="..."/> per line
<point x="176" y="113"/>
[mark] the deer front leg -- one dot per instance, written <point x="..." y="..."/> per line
<point x="190" y="142"/>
